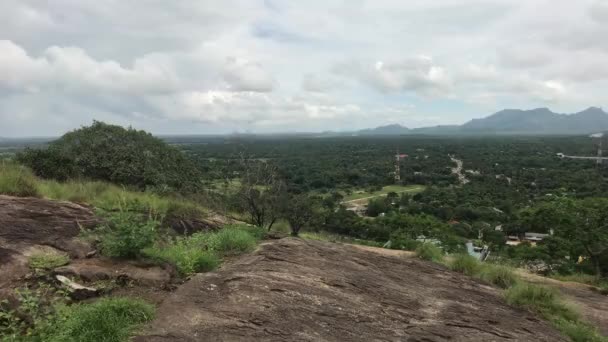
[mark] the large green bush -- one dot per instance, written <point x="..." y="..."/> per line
<point x="115" y="154"/>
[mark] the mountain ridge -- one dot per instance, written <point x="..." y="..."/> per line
<point x="513" y="121"/>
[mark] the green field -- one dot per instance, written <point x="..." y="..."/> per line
<point x="360" y="194"/>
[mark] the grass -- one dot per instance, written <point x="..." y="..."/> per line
<point x="47" y="261"/>
<point x="188" y="254"/>
<point x="466" y="264"/>
<point x="324" y="236"/>
<point x="430" y="252"/>
<point x="108" y="320"/>
<point x="16" y="180"/>
<point x="202" y="252"/>
<point x="499" y="275"/>
<point x="358" y="194"/>
<point x="540" y="299"/>
<point x="232" y="240"/>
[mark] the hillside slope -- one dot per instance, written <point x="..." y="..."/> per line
<point x="297" y="290"/>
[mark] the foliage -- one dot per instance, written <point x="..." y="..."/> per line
<point x="114" y="154"/>
<point x="540" y="299"/>
<point x="298" y="210"/>
<point x="113" y="319"/>
<point x="125" y="233"/>
<point x="232" y="240"/>
<point x="47" y="261"/>
<point x="30" y="318"/>
<point x="430" y="252"/>
<point x="464" y="263"/>
<point x="499" y="275"/>
<point x="188" y="254"/>
<point x="201" y="251"/>
<point x="16" y="180"/>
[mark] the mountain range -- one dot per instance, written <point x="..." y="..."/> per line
<point x="540" y="121"/>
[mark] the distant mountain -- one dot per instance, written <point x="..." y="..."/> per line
<point x="513" y="121"/>
<point x="394" y="129"/>
<point x="539" y="121"/>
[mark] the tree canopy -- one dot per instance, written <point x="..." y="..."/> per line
<point x="114" y="154"/>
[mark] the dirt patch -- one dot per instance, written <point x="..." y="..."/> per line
<point x="298" y="290"/>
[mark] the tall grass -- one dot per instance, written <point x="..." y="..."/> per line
<point x="543" y="300"/>
<point x="202" y="252"/>
<point x="188" y="254"/>
<point x="16" y="180"/>
<point x="430" y="252"/>
<point x="108" y="319"/>
<point x="465" y="263"/>
<point x="499" y="275"/>
<point x="232" y="240"/>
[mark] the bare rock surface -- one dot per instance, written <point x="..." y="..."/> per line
<point x="297" y="290"/>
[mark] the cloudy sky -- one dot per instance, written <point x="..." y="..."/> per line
<point x="276" y="65"/>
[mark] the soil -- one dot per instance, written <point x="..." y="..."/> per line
<point x="298" y="290"/>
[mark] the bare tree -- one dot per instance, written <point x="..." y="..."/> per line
<point x="298" y="211"/>
<point x="262" y="192"/>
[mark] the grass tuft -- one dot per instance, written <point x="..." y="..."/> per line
<point x="540" y="299"/>
<point x="108" y="319"/>
<point x="499" y="275"/>
<point x="430" y="252"/>
<point x="47" y="261"/>
<point x="465" y="263"/>
<point x="16" y="180"/>
<point x="188" y="254"/>
<point x="232" y="240"/>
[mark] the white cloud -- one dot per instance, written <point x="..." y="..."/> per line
<point x="415" y="74"/>
<point x="244" y="75"/>
<point x="209" y="67"/>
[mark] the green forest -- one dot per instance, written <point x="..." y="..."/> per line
<point x="155" y="195"/>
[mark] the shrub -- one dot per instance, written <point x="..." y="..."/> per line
<point x="232" y="240"/>
<point x="16" y="180"/>
<point x="188" y="254"/>
<point x="465" y="263"/>
<point x="126" y="234"/>
<point x="499" y="275"/>
<point x="108" y="319"/>
<point x="47" y="261"/>
<point x="430" y="252"/>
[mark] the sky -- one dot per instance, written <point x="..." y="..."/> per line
<point x="214" y="67"/>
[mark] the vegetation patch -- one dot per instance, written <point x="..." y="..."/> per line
<point x="201" y="252"/>
<point x="188" y="254"/>
<point x="16" y="180"/>
<point x="108" y="319"/>
<point x="115" y="154"/>
<point x="125" y="234"/>
<point x="430" y="252"/>
<point x="47" y="261"/>
<point x="464" y="263"/>
<point x="232" y="240"/>
<point x="499" y="275"/>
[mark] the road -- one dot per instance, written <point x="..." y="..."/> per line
<point x="458" y="170"/>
